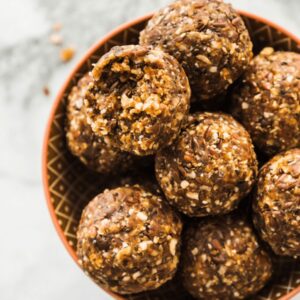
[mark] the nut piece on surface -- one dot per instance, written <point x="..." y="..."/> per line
<point x="57" y="26"/>
<point x="207" y="37"/>
<point x="267" y="101"/>
<point x="56" y="39"/>
<point x="66" y="54"/>
<point x="222" y="260"/>
<point x="129" y="240"/>
<point x="138" y="99"/>
<point x="276" y="203"/>
<point x="210" y="167"/>
<point x="96" y="153"/>
<point x="46" y="90"/>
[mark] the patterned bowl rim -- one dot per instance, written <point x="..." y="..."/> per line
<point x="60" y="94"/>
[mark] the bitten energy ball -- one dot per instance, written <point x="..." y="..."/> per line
<point x="129" y="240"/>
<point x="267" y="101"/>
<point x="138" y="99"/>
<point x="210" y="167"/>
<point x="276" y="203"/>
<point x="222" y="260"/>
<point x="207" y="37"/>
<point x="96" y="153"/>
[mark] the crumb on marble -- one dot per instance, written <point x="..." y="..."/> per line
<point x="66" y="54"/>
<point x="46" y="90"/>
<point x="57" y="26"/>
<point x="56" y="39"/>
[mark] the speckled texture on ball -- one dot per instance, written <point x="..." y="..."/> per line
<point x="138" y="99"/>
<point x="207" y="37"/>
<point x="223" y="260"/>
<point x="96" y="153"/>
<point x="276" y="203"/>
<point x="267" y="101"/>
<point x="123" y="242"/>
<point x="210" y="167"/>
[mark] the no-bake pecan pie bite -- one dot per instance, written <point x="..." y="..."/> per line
<point x="138" y="99"/>
<point x="208" y="38"/>
<point x="267" y="101"/>
<point x="223" y="260"/>
<point x="97" y="153"/>
<point x="276" y="203"/>
<point x="129" y="240"/>
<point x="210" y="167"/>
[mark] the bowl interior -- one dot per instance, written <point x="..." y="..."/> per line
<point x="69" y="185"/>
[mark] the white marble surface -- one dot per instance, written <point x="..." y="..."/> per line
<point x="33" y="263"/>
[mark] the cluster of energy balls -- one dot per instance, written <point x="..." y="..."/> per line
<point x="134" y="104"/>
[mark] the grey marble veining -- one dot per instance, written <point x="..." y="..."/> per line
<point x="33" y="262"/>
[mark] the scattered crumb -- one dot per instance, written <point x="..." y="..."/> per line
<point x="57" y="26"/>
<point x="56" y="39"/>
<point x="66" y="54"/>
<point x="46" y="90"/>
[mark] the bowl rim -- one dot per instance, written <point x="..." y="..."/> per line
<point x="60" y="94"/>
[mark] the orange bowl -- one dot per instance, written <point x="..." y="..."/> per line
<point x="69" y="185"/>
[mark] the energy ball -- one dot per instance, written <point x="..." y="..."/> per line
<point x="138" y="99"/>
<point x="129" y="240"/>
<point x="223" y="260"/>
<point x="276" y="204"/>
<point x="267" y="101"/>
<point x="95" y="152"/>
<point x="210" y="167"/>
<point x="207" y="37"/>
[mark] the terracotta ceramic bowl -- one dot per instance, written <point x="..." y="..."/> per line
<point x="69" y="185"/>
